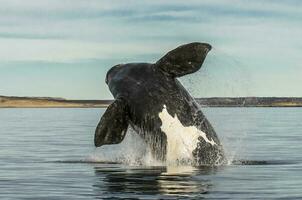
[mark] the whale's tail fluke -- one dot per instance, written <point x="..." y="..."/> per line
<point x="113" y="125"/>
<point x="185" y="59"/>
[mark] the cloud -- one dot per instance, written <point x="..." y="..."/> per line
<point x="78" y="29"/>
<point x="262" y="34"/>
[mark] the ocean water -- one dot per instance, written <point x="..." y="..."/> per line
<point x="49" y="154"/>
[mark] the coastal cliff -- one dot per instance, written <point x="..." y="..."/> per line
<point x="251" y="101"/>
<point x="49" y="102"/>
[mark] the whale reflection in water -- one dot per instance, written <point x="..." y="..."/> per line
<point x="160" y="182"/>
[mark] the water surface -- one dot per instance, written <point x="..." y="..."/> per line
<point x="49" y="154"/>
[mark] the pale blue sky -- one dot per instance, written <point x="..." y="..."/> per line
<point x="64" y="48"/>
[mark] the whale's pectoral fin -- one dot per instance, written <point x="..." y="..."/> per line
<point x="184" y="59"/>
<point x="113" y="124"/>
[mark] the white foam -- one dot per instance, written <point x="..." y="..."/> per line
<point x="181" y="140"/>
<point x="133" y="151"/>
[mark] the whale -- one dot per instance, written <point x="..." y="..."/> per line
<point x="149" y="98"/>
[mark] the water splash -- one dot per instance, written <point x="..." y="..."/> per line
<point x="133" y="151"/>
<point x="222" y="75"/>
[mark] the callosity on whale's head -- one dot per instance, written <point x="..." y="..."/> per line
<point x="150" y="99"/>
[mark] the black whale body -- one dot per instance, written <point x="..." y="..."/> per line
<point x="143" y="90"/>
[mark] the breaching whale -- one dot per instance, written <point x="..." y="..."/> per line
<point x="150" y="99"/>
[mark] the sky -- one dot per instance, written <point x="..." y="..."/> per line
<point x="63" y="48"/>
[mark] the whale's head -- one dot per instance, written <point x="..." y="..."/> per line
<point x="111" y="72"/>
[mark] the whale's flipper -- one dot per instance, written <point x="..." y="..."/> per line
<point x="185" y="59"/>
<point x="113" y="124"/>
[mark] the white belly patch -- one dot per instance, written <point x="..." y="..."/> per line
<point x="181" y="140"/>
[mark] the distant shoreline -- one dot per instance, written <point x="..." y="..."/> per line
<point x="49" y="102"/>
